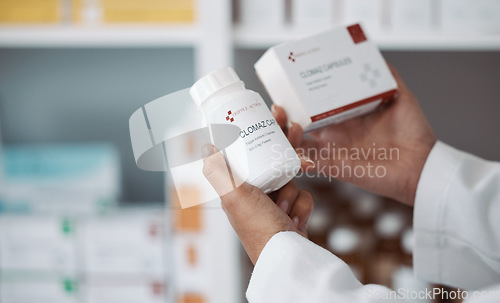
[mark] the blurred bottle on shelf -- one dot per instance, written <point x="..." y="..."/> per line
<point x="345" y="242"/>
<point x="407" y="243"/>
<point x="403" y="278"/>
<point x="365" y="207"/>
<point x="387" y="256"/>
<point x="319" y="223"/>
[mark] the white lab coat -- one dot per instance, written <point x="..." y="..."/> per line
<point x="457" y="241"/>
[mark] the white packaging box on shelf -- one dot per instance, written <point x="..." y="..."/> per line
<point x="126" y="290"/>
<point x="411" y="15"/>
<point x="307" y="13"/>
<point x="31" y="243"/>
<point x="470" y="16"/>
<point x="60" y="179"/>
<point x="262" y="13"/>
<point x="192" y="264"/>
<point x="39" y="289"/>
<point x="326" y="78"/>
<point x="128" y="242"/>
<point x="368" y="12"/>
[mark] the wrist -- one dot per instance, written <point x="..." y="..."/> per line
<point x="418" y="160"/>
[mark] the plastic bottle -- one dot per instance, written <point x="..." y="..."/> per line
<point x="262" y="155"/>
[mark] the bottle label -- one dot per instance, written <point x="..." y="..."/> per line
<point x="262" y="149"/>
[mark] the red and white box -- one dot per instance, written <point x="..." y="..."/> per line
<point x="327" y="78"/>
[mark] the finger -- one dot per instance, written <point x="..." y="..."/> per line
<point x="301" y="210"/>
<point x="295" y="134"/>
<point x="306" y="163"/>
<point x="399" y="80"/>
<point x="309" y="155"/>
<point x="280" y="116"/>
<point x="216" y="170"/>
<point x="287" y="196"/>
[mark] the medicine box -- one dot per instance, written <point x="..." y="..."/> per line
<point x="415" y="15"/>
<point x="37" y="244"/>
<point x="327" y="78"/>
<point x="470" y="16"/>
<point x="368" y="12"/>
<point x="60" y="178"/>
<point x="130" y="242"/>
<point x="262" y="13"/>
<point x="39" y="288"/>
<point x="307" y="13"/>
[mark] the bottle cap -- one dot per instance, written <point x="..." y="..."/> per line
<point x="343" y="240"/>
<point x="213" y="82"/>
<point x="389" y="225"/>
<point x="407" y="241"/>
<point x="319" y="220"/>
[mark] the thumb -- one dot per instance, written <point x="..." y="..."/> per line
<point x="239" y="198"/>
<point x="253" y="215"/>
<point x="217" y="171"/>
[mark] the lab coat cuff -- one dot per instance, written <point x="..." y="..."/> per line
<point x="430" y="207"/>
<point x="269" y="262"/>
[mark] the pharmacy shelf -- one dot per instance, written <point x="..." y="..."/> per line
<point x="99" y="36"/>
<point x="247" y="37"/>
<point x="243" y="37"/>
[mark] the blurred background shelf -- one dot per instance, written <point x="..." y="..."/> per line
<point x="99" y="36"/>
<point x="244" y="37"/>
<point x="77" y="73"/>
<point x="251" y="37"/>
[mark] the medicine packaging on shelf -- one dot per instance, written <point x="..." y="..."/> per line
<point x="119" y="289"/>
<point x="307" y="13"/>
<point x="33" y="11"/>
<point x="470" y="16"/>
<point x="129" y="242"/>
<point x="262" y="13"/>
<point x="60" y="179"/>
<point x="412" y="14"/>
<point x="39" y="288"/>
<point x="369" y="12"/>
<point x="326" y="78"/>
<point x="37" y="244"/>
<point x="133" y="11"/>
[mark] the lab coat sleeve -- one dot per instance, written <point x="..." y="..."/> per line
<point x="457" y="220"/>
<point x="292" y="269"/>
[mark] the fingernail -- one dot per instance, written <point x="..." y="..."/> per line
<point x="207" y="150"/>
<point x="306" y="162"/>
<point x="296" y="221"/>
<point x="290" y="125"/>
<point x="283" y="205"/>
<point x="273" y="109"/>
<point x="396" y="95"/>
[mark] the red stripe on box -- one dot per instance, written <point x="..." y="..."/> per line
<point x="384" y="96"/>
<point x="357" y="33"/>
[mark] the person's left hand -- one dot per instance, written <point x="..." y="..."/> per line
<point x="255" y="217"/>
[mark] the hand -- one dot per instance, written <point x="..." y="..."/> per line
<point x="253" y="215"/>
<point x="400" y="128"/>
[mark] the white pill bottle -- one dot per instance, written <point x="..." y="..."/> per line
<point x="261" y="155"/>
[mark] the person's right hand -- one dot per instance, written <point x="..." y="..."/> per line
<point x="400" y="126"/>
